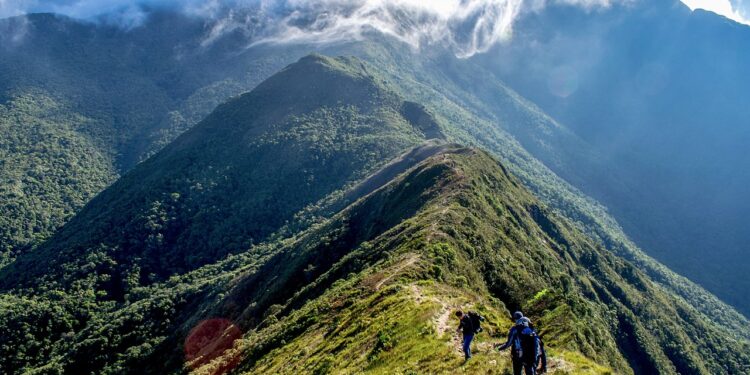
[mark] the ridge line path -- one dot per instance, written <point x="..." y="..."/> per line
<point x="441" y="319"/>
<point x="408" y="261"/>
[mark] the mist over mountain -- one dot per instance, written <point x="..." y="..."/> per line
<point x="174" y="170"/>
<point x="659" y="93"/>
<point x="466" y="27"/>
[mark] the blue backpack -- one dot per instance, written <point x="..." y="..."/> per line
<point x="526" y="343"/>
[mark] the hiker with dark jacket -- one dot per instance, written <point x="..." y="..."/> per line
<point x="466" y="326"/>
<point x="541" y="358"/>
<point x="525" y="346"/>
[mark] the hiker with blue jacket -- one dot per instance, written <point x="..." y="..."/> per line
<point x="526" y="347"/>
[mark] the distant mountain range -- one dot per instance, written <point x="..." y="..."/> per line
<point x="151" y="182"/>
<point x="659" y="92"/>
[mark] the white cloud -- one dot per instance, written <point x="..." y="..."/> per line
<point x="465" y="26"/>
<point x="721" y="7"/>
<point x="14" y="31"/>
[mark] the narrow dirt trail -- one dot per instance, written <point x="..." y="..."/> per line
<point x="408" y="261"/>
<point x="442" y="320"/>
<point x="442" y="324"/>
<point x="434" y="232"/>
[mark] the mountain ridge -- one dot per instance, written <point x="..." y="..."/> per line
<point x="429" y="246"/>
<point x="231" y="142"/>
<point x="639" y="84"/>
<point x="196" y="77"/>
<point x="407" y="225"/>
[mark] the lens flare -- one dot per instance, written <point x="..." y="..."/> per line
<point x="563" y="82"/>
<point x="209" y="340"/>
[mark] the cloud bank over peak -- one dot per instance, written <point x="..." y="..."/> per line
<point x="467" y="27"/>
<point x="734" y="10"/>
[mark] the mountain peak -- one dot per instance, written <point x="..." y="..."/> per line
<point x="312" y="84"/>
<point x="247" y="169"/>
<point x="345" y="64"/>
<point x="317" y="80"/>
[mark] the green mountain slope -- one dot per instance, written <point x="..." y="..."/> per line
<point x="49" y="169"/>
<point x="271" y="223"/>
<point x="645" y="97"/>
<point x="235" y="179"/>
<point x="137" y="90"/>
<point x="372" y="290"/>
<point x="474" y="118"/>
<point x="141" y="88"/>
<point x="459" y="227"/>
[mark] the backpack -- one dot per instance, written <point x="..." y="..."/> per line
<point x="527" y="342"/>
<point x="476" y="321"/>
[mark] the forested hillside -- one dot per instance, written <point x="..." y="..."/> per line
<point x="139" y="88"/>
<point x="122" y="94"/>
<point x="448" y="233"/>
<point x="233" y="181"/>
<point x="219" y="253"/>
<point x="382" y="278"/>
<point x="49" y="168"/>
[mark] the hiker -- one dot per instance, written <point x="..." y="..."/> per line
<point x="541" y="358"/>
<point x="525" y="346"/>
<point x="466" y="326"/>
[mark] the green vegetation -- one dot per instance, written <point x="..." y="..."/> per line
<point x="81" y="103"/>
<point x="140" y="89"/>
<point x="267" y="217"/>
<point x="488" y="237"/>
<point x="474" y="117"/>
<point x="373" y="290"/>
<point x="230" y="182"/>
<point x="49" y="168"/>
